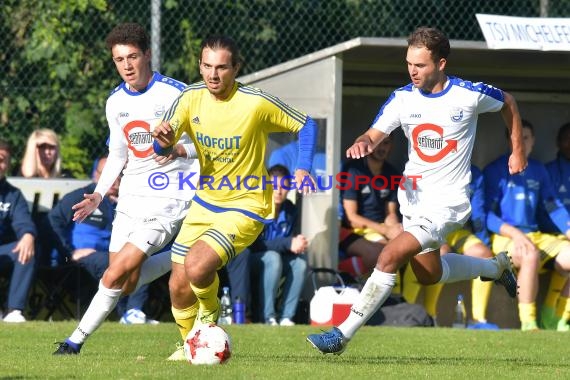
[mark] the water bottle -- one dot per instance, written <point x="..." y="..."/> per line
<point x="460" y="317"/>
<point x="239" y="311"/>
<point x="226" y="310"/>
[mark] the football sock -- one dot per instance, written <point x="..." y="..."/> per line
<point x="527" y="312"/>
<point x="101" y="305"/>
<point x="555" y="286"/>
<point x="460" y="267"/>
<point x="431" y="297"/>
<point x="154" y="267"/>
<point x="563" y="308"/>
<point x="374" y="293"/>
<point x="410" y="287"/>
<point x="185" y="318"/>
<point x="480" y="294"/>
<point x="208" y="297"/>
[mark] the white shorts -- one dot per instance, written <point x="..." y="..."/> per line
<point x="430" y="223"/>
<point x="147" y="222"/>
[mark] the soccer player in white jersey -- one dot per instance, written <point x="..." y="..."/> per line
<point x="150" y="207"/>
<point x="438" y="114"/>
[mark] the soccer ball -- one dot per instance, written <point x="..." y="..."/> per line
<point x="207" y="344"/>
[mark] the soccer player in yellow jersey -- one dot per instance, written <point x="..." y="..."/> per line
<point x="229" y="124"/>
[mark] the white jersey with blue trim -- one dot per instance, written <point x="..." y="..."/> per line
<point x="132" y="116"/>
<point x="441" y="130"/>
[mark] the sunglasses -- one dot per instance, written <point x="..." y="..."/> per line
<point x="46" y="146"/>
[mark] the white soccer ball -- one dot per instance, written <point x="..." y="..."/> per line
<point x="207" y="344"/>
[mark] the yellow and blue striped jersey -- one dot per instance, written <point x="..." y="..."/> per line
<point x="230" y="138"/>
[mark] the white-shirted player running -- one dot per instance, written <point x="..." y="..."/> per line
<point x="438" y="114"/>
<point x="151" y="206"/>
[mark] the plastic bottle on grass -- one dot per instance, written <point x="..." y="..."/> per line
<point x="460" y="317"/>
<point x="226" y="310"/>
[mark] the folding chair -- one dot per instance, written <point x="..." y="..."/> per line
<point x="62" y="290"/>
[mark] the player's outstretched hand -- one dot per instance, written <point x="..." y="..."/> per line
<point x="163" y="134"/>
<point x="305" y="182"/>
<point x="359" y="149"/>
<point x="517" y="163"/>
<point x="84" y="208"/>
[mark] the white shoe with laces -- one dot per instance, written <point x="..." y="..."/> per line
<point x="286" y="322"/>
<point x="136" y="317"/>
<point x="15" y="316"/>
<point x="271" y="322"/>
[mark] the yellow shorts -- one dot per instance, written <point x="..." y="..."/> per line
<point x="461" y="240"/>
<point x="549" y="245"/>
<point x="228" y="233"/>
<point x="369" y="234"/>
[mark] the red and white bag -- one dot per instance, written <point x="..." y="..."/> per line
<point x="331" y="304"/>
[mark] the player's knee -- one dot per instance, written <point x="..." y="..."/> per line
<point x="428" y="278"/>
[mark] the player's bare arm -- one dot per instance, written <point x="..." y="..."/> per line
<point x="365" y="144"/>
<point x="512" y="118"/>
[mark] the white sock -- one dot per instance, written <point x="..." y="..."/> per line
<point x="101" y="305"/>
<point x="460" y="267"/>
<point x="154" y="267"/>
<point x="374" y="293"/>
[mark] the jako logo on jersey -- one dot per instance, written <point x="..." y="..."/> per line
<point x="123" y="114"/>
<point x="415" y="116"/>
<point x="139" y="138"/>
<point x="432" y="143"/>
<point x="456" y="114"/>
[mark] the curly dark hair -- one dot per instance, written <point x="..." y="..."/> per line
<point x="129" y="33"/>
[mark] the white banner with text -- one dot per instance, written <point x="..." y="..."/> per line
<point x="506" y="32"/>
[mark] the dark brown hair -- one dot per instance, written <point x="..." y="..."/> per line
<point x="432" y="39"/>
<point x="129" y="33"/>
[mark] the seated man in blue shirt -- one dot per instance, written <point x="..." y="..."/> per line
<point x="88" y="242"/>
<point x="17" y="241"/>
<point x="279" y="252"/>
<point x="512" y="205"/>
<point x="369" y="210"/>
<point x="557" y="307"/>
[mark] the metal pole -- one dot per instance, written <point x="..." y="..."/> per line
<point x="544" y="8"/>
<point x="155" y="33"/>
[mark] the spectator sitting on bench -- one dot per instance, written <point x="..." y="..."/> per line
<point x="17" y="240"/>
<point x="87" y="243"/>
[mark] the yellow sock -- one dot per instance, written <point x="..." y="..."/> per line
<point x="185" y="318"/>
<point x="410" y="285"/>
<point x="563" y="308"/>
<point x="208" y="298"/>
<point x="432" y="293"/>
<point x="480" y="294"/>
<point x="527" y="312"/>
<point x="557" y="282"/>
<point x="398" y="286"/>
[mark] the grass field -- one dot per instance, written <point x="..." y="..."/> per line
<point x="263" y="352"/>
